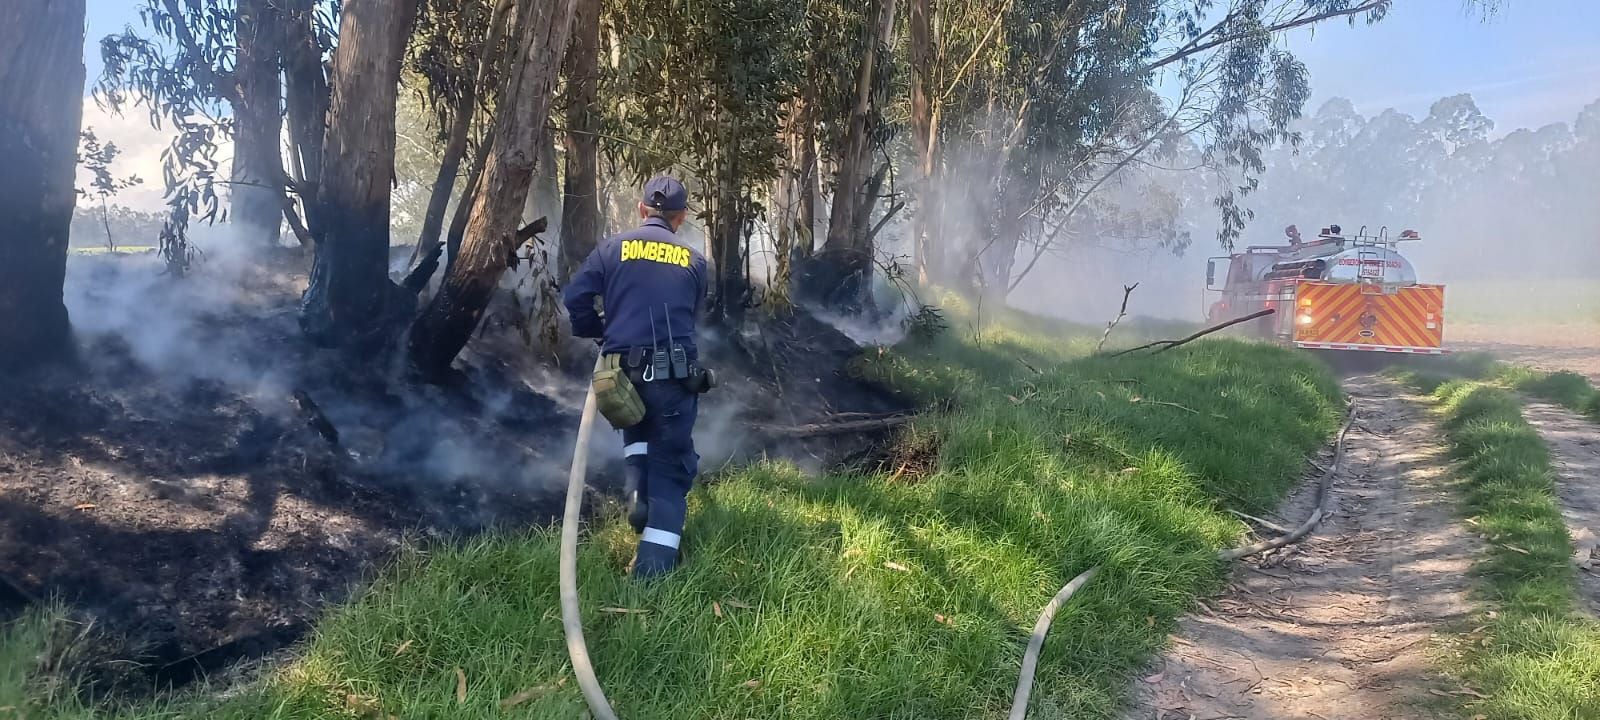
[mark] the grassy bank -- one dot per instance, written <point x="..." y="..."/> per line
<point x="1565" y="388"/>
<point x="905" y="593"/>
<point x="1534" y="657"/>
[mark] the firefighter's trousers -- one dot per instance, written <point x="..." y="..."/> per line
<point x="660" y="456"/>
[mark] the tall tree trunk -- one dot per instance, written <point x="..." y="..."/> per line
<point x="839" y="275"/>
<point x="41" y="112"/>
<point x="544" y="194"/>
<point x="257" y="193"/>
<point x="580" y="208"/>
<point x="455" y="148"/>
<point x="925" y="245"/>
<point x="442" y="330"/>
<point x="306" y="94"/>
<point x="809" y="185"/>
<point x="469" y="196"/>
<point x="842" y="222"/>
<point x="347" y="301"/>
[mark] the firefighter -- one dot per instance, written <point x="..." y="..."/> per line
<point x="651" y="287"/>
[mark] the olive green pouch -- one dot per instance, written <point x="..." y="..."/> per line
<point x="615" y="396"/>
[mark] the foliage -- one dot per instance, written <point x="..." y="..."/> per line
<point x="97" y="159"/>
<point x="1534" y="656"/>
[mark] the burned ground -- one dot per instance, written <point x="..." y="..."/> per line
<point x="189" y="499"/>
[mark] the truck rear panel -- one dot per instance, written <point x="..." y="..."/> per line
<point x="1347" y="316"/>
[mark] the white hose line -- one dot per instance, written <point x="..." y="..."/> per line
<point x="571" y="610"/>
<point x="1030" y="659"/>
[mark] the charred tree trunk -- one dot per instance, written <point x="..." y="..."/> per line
<point x="306" y="91"/>
<point x="41" y="111"/>
<point x="442" y="330"/>
<point x="724" y="233"/>
<point x="842" y="221"/>
<point x="580" y="207"/>
<point x="455" y="149"/>
<point x="257" y="193"/>
<point x="924" y="136"/>
<point x="347" y="301"/>
<point x="839" y="275"/>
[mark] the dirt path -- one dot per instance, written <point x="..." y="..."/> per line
<point x="1338" y="627"/>
<point x="1575" y="452"/>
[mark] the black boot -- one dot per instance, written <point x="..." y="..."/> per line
<point x="638" y="512"/>
<point x="633" y="490"/>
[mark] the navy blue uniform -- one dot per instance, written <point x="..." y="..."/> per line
<point x="642" y="275"/>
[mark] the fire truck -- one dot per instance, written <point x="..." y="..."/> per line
<point x="1333" y="293"/>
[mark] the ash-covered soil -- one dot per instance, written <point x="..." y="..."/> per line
<point x="176" y="487"/>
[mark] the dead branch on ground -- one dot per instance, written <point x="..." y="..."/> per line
<point x="883" y="422"/>
<point x="1317" y="515"/>
<point x="1165" y="345"/>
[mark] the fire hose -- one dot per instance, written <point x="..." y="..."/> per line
<point x="571" y="610"/>
<point x="1030" y="659"/>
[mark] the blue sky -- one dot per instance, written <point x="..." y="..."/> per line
<point x="1533" y="63"/>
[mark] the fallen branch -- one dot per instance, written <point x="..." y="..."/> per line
<point x="835" y="428"/>
<point x="1321" y="510"/>
<point x="1166" y="345"/>
<point x="1168" y="404"/>
<point x="1263" y="522"/>
<point x="1127" y="290"/>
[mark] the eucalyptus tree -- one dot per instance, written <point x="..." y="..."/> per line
<point x="1028" y="108"/>
<point x="493" y="228"/>
<point x="41" y="109"/>
<point x="699" y="87"/>
<point x="210" y="69"/>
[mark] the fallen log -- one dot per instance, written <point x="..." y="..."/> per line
<point x="835" y="428"/>
<point x="1165" y="345"/>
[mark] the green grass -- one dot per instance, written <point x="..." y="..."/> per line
<point x="1536" y="658"/>
<point x="897" y="595"/>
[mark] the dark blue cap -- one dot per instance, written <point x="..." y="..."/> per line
<point x="665" y="193"/>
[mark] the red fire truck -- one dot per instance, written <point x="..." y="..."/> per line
<point x="1333" y="293"/>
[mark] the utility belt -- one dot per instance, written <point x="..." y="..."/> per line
<point x="616" y="394"/>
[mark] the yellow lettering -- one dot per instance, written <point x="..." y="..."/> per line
<point x="661" y="252"/>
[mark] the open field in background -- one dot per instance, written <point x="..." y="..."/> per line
<point x="1542" y="302"/>
<point x="1548" y="325"/>
<point x="904" y="591"/>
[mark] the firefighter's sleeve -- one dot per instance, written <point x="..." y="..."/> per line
<point x="579" y="296"/>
